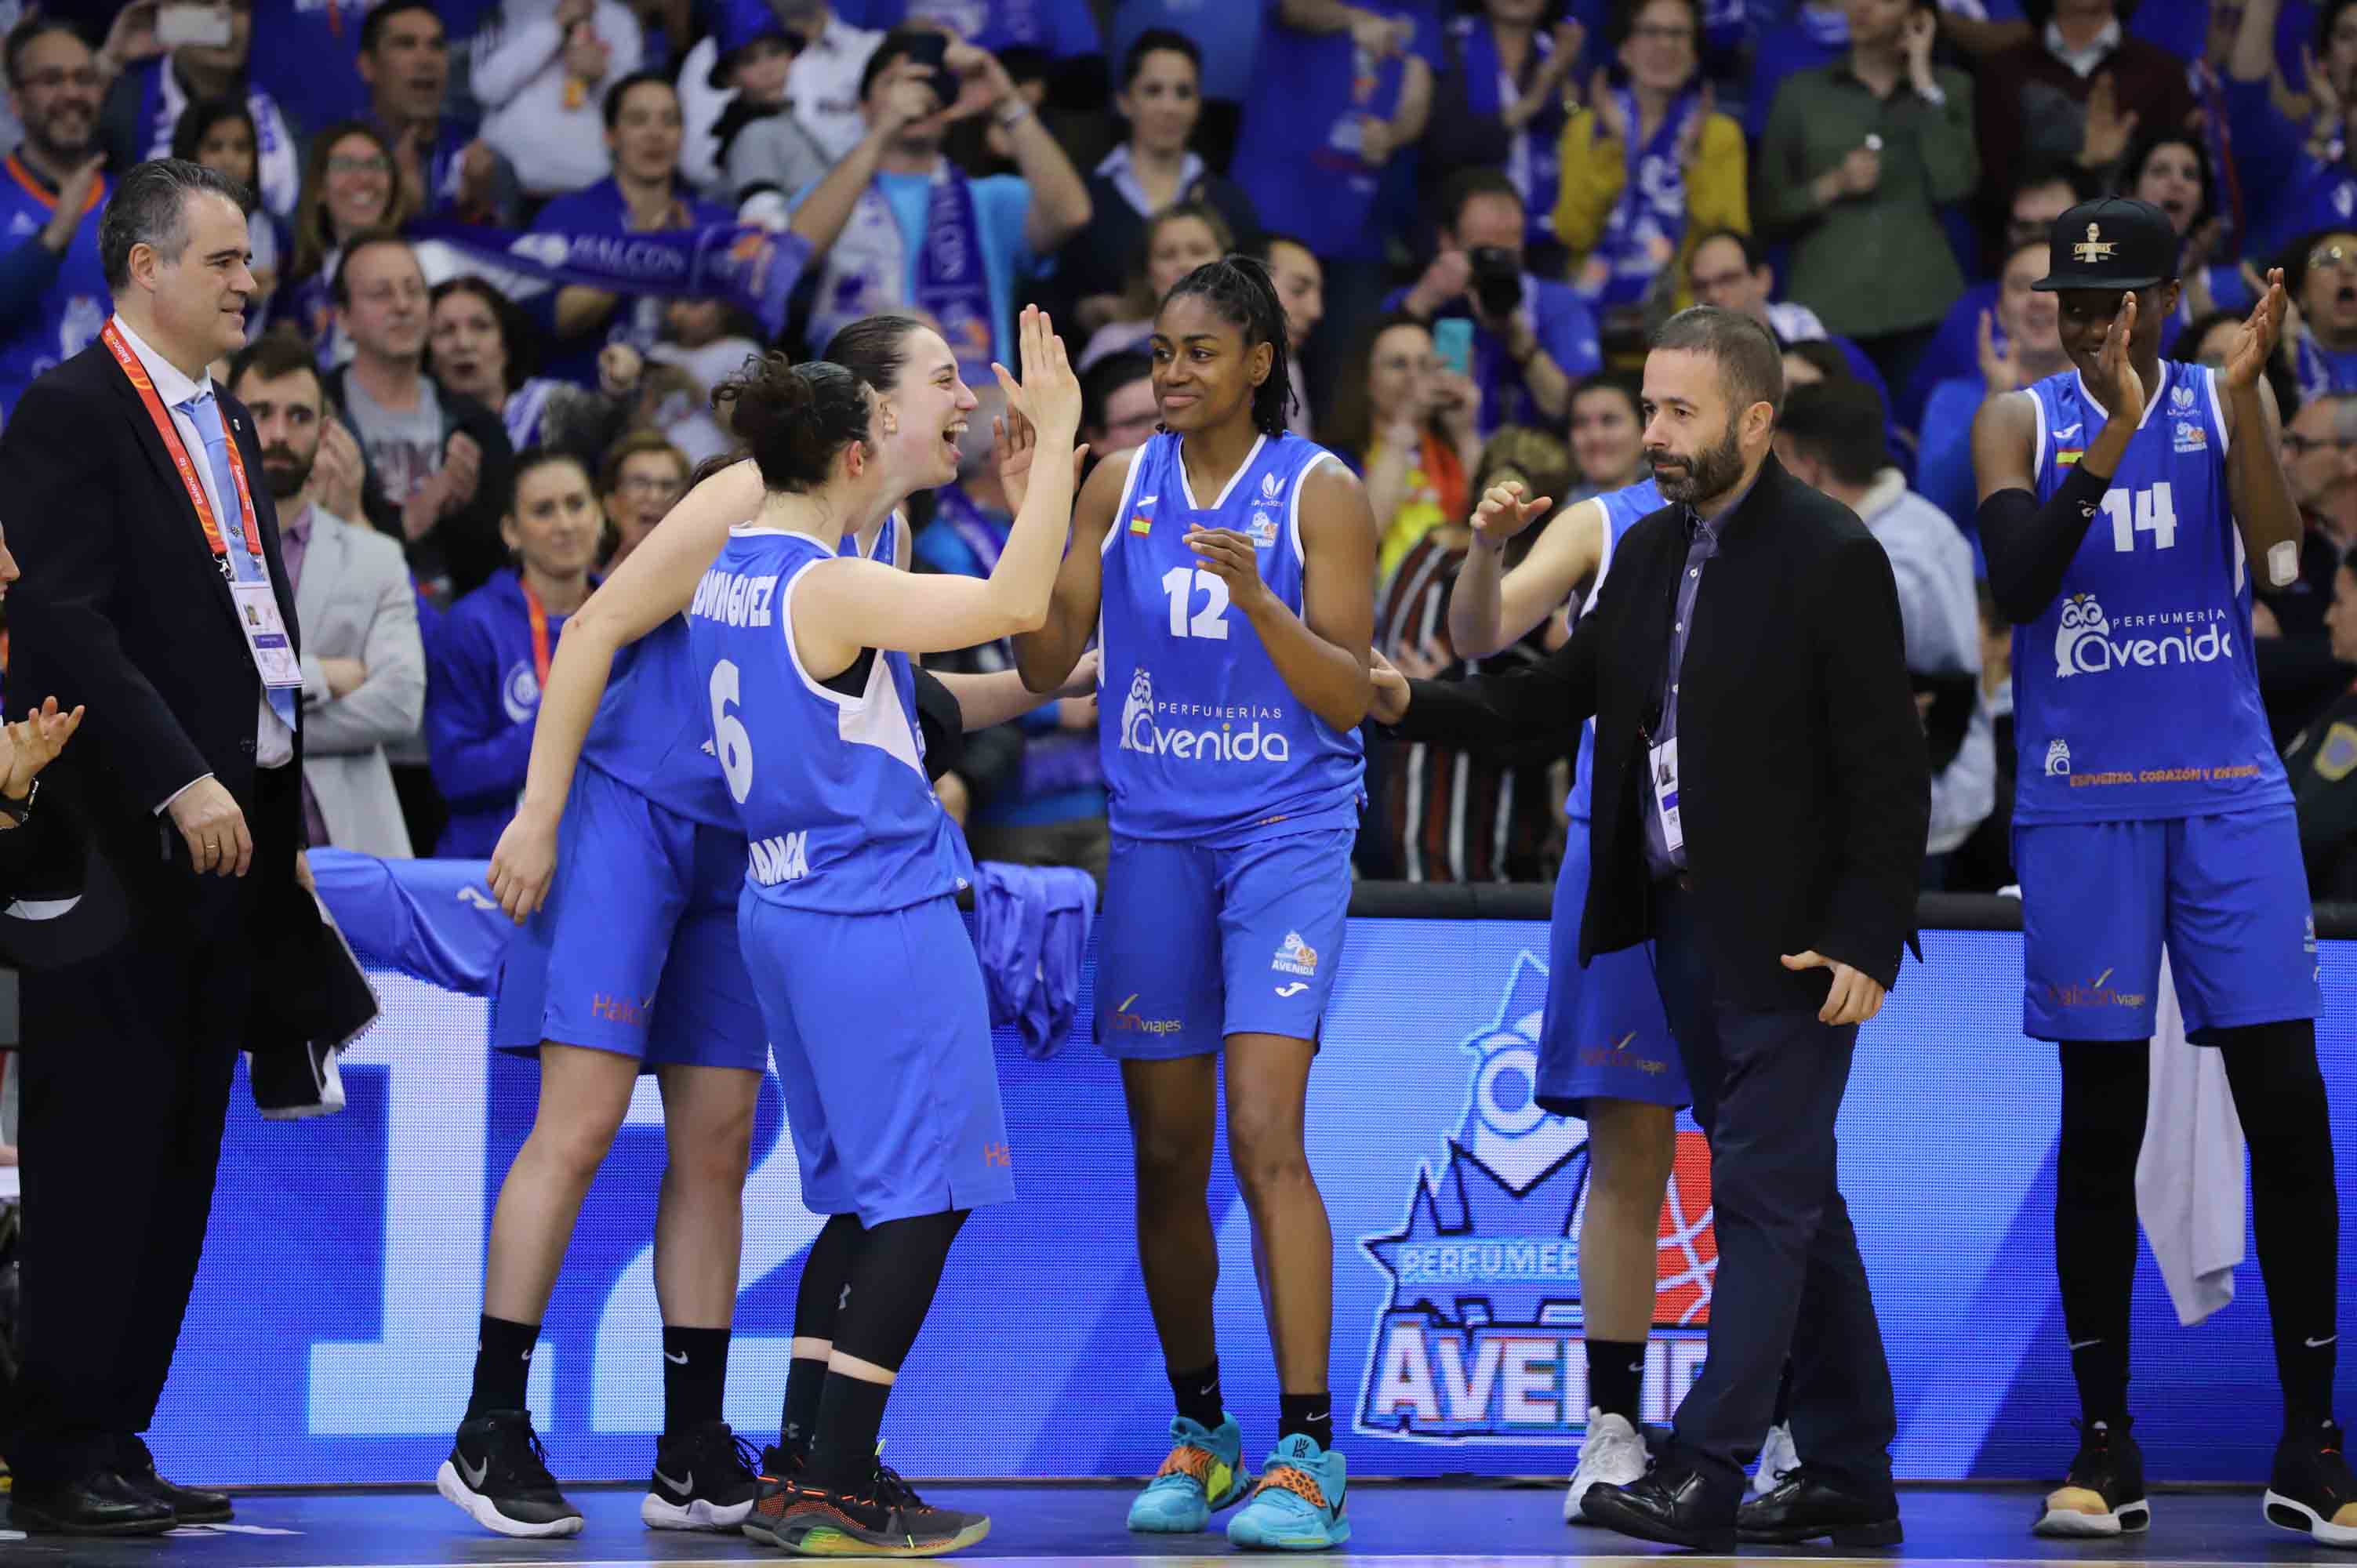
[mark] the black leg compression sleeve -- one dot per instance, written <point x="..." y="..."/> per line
<point x="893" y="1278"/>
<point x="2104" y="1087"/>
<point x="827" y="1269"/>
<point x="2294" y="1210"/>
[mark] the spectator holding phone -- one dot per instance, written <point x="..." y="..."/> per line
<point x="208" y="49"/>
<point x="1531" y="336"/>
<point x="898" y="223"/>
<point x="1410" y="427"/>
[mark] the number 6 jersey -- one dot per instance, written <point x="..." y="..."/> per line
<point x="2135" y="694"/>
<point x="1202" y="738"/>
<point x="828" y="776"/>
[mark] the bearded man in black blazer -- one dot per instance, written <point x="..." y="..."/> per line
<point x="153" y="591"/>
<point x="1761" y="798"/>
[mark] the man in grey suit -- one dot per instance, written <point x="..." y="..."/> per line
<point x="363" y="662"/>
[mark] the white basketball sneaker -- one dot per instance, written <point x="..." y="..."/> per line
<point x="1612" y="1450"/>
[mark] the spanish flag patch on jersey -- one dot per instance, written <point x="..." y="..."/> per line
<point x="2070" y="455"/>
<point x="1140" y="523"/>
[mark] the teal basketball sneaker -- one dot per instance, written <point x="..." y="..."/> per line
<point x="1298" y="1507"/>
<point x="1203" y="1473"/>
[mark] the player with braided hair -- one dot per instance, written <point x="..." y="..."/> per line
<point x="1231" y="566"/>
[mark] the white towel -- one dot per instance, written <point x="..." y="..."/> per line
<point x="2190" y="1175"/>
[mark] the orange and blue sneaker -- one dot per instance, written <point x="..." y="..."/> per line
<point x="1298" y="1507"/>
<point x="1203" y="1473"/>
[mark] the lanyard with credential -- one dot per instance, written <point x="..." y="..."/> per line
<point x="170" y="435"/>
<point x="536" y="614"/>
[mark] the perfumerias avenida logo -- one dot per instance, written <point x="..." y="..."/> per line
<point x="1480" y="1338"/>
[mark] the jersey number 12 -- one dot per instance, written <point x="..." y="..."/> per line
<point x="729" y="735"/>
<point x="1180" y="583"/>
<point x="2148" y="511"/>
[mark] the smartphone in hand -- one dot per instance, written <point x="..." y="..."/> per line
<point x="1452" y="344"/>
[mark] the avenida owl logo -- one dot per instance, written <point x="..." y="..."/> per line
<point x="1480" y="1339"/>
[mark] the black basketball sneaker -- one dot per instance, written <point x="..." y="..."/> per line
<point x="2104" y="1493"/>
<point x="2311" y="1490"/>
<point x="704" y="1479"/>
<point x="497" y="1473"/>
<point x="889" y="1520"/>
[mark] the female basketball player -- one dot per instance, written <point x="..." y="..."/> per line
<point x="869" y="984"/>
<point x="641" y="966"/>
<point x="1605" y="1050"/>
<point x="1234" y="565"/>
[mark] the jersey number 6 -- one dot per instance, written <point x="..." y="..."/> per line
<point x="728" y="737"/>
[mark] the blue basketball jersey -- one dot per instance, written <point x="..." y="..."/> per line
<point x="830" y="789"/>
<point x="653" y="728"/>
<point x="1622" y="508"/>
<point x="1208" y="743"/>
<point x="2135" y="694"/>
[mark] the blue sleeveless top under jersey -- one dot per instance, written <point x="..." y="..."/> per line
<point x="2135" y="694"/>
<point x="1622" y="508"/>
<point x="1202" y="738"/>
<point x="830" y="789"/>
<point x="653" y="728"/>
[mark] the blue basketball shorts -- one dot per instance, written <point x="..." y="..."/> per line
<point x="1195" y="944"/>
<point x="882" y="1030"/>
<point x="635" y="950"/>
<point x="2226" y="894"/>
<point x="1604" y="1036"/>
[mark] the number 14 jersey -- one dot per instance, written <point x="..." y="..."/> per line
<point x="1201" y="736"/>
<point x="2136" y="693"/>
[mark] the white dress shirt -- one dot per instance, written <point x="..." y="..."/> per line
<point x="273" y="743"/>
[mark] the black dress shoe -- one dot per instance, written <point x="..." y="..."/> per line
<point x="1806" y="1506"/>
<point x="189" y="1506"/>
<point x="1671" y="1506"/>
<point x="99" y="1503"/>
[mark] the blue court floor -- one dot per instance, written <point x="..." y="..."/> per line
<point x="1054" y="1526"/>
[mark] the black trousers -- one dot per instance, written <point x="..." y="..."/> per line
<point x="127" y="1061"/>
<point x="1767" y="1088"/>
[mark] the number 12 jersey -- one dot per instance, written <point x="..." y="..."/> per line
<point x="1201" y="736"/>
<point x="2136" y="692"/>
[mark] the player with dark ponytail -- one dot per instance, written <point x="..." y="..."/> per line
<point x="1234" y="565"/>
<point x="624" y="865"/>
<point x="872" y="993"/>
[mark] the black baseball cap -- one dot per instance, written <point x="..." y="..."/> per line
<point x="2117" y="242"/>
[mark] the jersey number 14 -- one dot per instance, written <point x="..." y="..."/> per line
<point x="2148" y="511"/>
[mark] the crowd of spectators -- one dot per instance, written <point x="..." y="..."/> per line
<point x="1474" y="209"/>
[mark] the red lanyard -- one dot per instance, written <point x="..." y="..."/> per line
<point x="537" y="613"/>
<point x="170" y="432"/>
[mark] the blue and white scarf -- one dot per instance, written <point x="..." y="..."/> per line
<point x="1826" y="30"/>
<point x="1533" y="157"/>
<point x="1649" y="221"/>
<point x="527" y="410"/>
<point x="277" y="169"/>
<point x="867" y="272"/>
<point x="747" y="265"/>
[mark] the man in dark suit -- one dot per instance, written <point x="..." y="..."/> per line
<point x="153" y="591"/>
<point x="1761" y="799"/>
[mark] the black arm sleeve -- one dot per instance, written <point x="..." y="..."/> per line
<point x="2030" y="546"/>
<point x="943" y="722"/>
